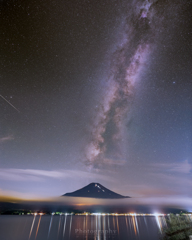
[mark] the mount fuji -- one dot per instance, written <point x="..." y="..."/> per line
<point x="95" y="190"/>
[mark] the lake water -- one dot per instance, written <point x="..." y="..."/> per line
<point x="80" y="227"/>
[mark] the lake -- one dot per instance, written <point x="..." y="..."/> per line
<point x="89" y="227"/>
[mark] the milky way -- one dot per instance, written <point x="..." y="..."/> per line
<point x="127" y="64"/>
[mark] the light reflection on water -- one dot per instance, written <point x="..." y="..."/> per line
<point x="32" y="226"/>
<point x="71" y="227"/>
<point x="50" y="226"/>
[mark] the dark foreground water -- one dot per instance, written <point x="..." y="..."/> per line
<point x="80" y="227"/>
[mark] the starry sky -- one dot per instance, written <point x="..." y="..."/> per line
<point x="96" y="91"/>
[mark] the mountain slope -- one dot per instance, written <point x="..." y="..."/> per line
<point x="95" y="190"/>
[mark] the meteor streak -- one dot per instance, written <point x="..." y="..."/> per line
<point x="9" y="103"/>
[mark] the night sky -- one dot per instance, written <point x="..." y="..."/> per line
<point x="96" y="91"/>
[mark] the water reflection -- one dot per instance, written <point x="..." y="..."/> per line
<point x="32" y="226"/>
<point x="50" y="226"/>
<point x="59" y="226"/>
<point x="38" y="227"/>
<point x="71" y="227"/>
<point x="64" y="225"/>
<point x="161" y="222"/>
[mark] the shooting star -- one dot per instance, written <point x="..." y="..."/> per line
<point x="10" y="103"/>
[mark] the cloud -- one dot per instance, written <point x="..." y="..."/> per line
<point x="171" y="201"/>
<point x="12" y="174"/>
<point x="180" y="182"/>
<point x="14" y="196"/>
<point x="183" y="167"/>
<point x="7" y="138"/>
<point x="144" y="190"/>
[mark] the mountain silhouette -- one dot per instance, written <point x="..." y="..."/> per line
<point x="95" y="190"/>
